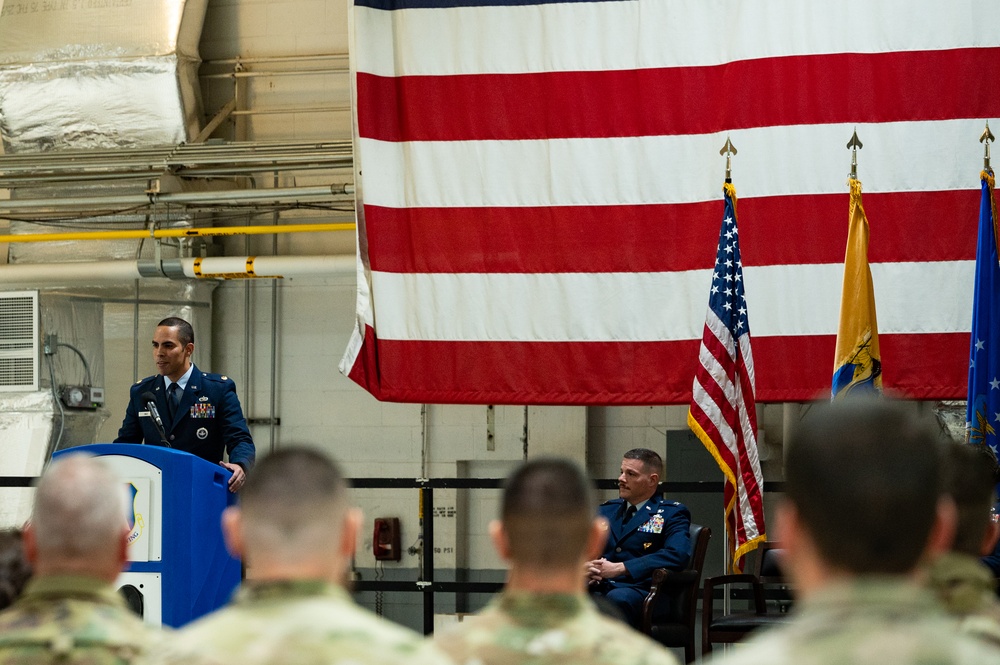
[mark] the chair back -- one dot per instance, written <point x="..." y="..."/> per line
<point x="680" y="605"/>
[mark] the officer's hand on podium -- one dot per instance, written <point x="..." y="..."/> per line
<point x="238" y="478"/>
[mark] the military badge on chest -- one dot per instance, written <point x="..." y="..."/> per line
<point x="202" y="409"/>
<point x="654" y="525"/>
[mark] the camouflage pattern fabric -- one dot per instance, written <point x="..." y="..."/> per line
<point x="299" y="623"/>
<point x="966" y="588"/>
<point x="76" y="621"/>
<point x="869" y="621"/>
<point x="545" y="629"/>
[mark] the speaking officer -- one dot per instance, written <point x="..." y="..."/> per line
<point x="200" y="412"/>
<point x="645" y="533"/>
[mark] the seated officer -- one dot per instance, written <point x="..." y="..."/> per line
<point x="547" y="530"/>
<point x="963" y="584"/>
<point x="862" y="510"/>
<point x="646" y="533"/>
<point x="76" y="542"/>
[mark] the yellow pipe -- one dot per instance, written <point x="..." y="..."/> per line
<point x="178" y="233"/>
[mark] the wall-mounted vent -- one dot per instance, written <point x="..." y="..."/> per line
<point x="18" y="341"/>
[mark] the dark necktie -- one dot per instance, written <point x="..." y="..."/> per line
<point x="629" y="514"/>
<point x="173" y="399"/>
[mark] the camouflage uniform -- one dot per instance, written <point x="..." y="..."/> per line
<point x="73" y="620"/>
<point x="300" y="623"/>
<point x="966" y="588"/>
<point x="520" y="628"/>
<point x="871" y="620"/>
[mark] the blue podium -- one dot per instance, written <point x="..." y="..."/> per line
<point x="179" y="568"/>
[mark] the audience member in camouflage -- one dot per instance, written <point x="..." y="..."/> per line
<point x="961" y="581"/>
<point x="296" y="533"/>
<point x="14" y="568"/>
<point x="548" y="533"/>
<point x="862" y="509"/>
<point x="76" y="542"/>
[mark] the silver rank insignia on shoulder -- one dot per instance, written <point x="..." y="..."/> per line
<point x="225" y="378"/>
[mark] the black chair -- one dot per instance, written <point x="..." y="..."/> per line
<point x="670" y="609"/>
<point x="766" y="581"/>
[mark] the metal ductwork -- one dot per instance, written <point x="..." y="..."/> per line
<point x="98" y="73"/>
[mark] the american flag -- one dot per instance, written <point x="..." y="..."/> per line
<point x="537" y="184"/>
<point x="723" y="414"/>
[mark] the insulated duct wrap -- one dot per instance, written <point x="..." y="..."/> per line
<point x="98" y="73"/>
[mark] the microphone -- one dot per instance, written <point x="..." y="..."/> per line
<point x="149" y="400"/>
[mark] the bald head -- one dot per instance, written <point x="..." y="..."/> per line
<point x="292" y="511"/>
<point x="78" y="519"/>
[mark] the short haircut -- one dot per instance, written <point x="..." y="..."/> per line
<point x="185" y="333"/>
<point x="79" y="509"/>
<point x="547" y="511"/>
<point x="14" y="568"/>
<point x="650" y="459"/>
<point x="293" y="502"/>
<point x="864" y="476"/>
<point x="969" y="481"/>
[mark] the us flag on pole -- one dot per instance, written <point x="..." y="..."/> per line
<point x="537" y="181"/>
<point x="723" y="414"/>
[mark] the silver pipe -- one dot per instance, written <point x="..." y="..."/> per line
<point x="274" y="330"/>
<point x="276" y="58"/>
<point x="273" y="73"/>
<point x="303" y="109"/>
<point x="281" y="195"/>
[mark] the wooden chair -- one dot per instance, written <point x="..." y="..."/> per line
<point x="733" y="627"/>
<point x="670" y="610"/>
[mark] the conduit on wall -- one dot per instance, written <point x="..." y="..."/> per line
<point x="221" y="267"/>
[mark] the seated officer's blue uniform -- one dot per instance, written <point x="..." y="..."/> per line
<point x="657" y="536"/>
<point x="209" y="419"/>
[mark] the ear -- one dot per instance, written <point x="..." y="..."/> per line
<point x="29" y="541"/>
<point x="787" y="527"/>
<point x="122" y="547"/>
<point x="990" y="538"/>
<point x="232" y="531"/>
<point x="596" y="539"/>
<point x="349" y="532"/>
<point x="188" y="349"/>
<point x="942" y="533"/>
<point x="501" y="543"/>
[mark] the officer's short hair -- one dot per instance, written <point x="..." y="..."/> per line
<point x="79" y="508"/>
<point x="969" y="481"/>
<point x="295" y="497"/>
<point x="864" y="476"/>
<point x="547" y="511"/>
<point x="650" y="459"/>
<point x="185" y="333"/>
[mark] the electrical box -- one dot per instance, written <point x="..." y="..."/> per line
<point x="385" y="540"/>
<point x="82" y="397"/>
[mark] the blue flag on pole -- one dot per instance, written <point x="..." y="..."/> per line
<point x="982" y="419"/>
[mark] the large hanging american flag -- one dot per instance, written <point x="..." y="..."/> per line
<point x="723" y="414"/>
<point x="537" y="184"/>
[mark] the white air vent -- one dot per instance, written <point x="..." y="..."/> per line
<point x="18" y="341"/>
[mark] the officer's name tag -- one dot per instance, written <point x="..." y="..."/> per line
<point x="654" y="525"/>
<point x="144" y="414"/>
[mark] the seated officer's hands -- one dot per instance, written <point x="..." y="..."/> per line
<point x="602" y="569"/>
<point x="238" y="478"/>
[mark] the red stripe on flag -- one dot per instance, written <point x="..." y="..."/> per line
<point x="683" y="100"/>
<point x="788" y="369"/>
<point x="661" y="238"/>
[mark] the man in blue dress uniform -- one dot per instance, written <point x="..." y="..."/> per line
<point x="645" y="533"/>
<point x="201" y="413"/>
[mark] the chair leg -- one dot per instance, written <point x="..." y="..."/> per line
<point x="689" y="650"/>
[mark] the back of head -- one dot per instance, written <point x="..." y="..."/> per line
<point x="293" y="504"/>
<point x="864" y="478"/>
<point x="547" y="511"/>
<point x="14" y="568"/>
<point x="970" y="481"/>
<point x="78" y="516"/>
<point x="650" y="459"/>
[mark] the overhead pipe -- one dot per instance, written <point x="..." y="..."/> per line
<point x="220" y="267"/>
<point x="280" y="195"/>
<point x="141" y="234"/>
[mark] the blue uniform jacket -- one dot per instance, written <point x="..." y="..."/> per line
<point x="657" y="536"/>
<point x="209" y="419"/>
